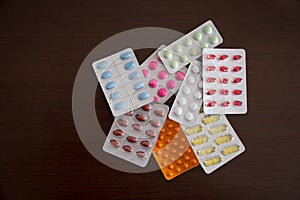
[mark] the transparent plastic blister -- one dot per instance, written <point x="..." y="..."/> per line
<point x="224" y="81"/>
<point x="122" y="82"/>
<point x="134" y="134"/>
<point x="214" y="141"/>
<point x="189" y="47"/>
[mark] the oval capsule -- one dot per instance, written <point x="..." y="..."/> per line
<point x="210" y="119"/>
<point x="211" y="68"/>
<point x="147" y="107"/>
<point x="218" y="129"/>
<point x="120" y="105"/>
<point x="150" y="133"/>
<point x="138" y="85"/>
<point x="137" y="127"/>
<point x="193" y="130"/>
<point x="143" y="95"/>
<point x="131" y="139"/>
<point x="141" y="117"/>
<point x="155" y="123"/>
<point x="125" y="55"/>
<point x="145" y="143"/>
<point x="159" y="113"/>
<point x="127" y="148"/>
<point x="236" y="69"/>
<point x="110" y="85"/>
<point x="122" y="122"/>
<point x="237" y="80"/>
<point x="141" y="154"/>
<point x="115" y="95"/>
<point x="106" y="75"/>
<point x="199" y="140"/>
<point x="114" y="143"/>
<point x="223" y="139"/>
<point x="230" y="149"/>
<point x="133" y="75"/>
<point x="102" y="65"/>
<point x="212" y="161"/>
<point x="129" y="65"/>
<point x="118" y="132"/>
<point x="206" y="151"/>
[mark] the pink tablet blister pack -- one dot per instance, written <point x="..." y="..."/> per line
<point x="188" y="102"/>
<point x="189" y="47"/>
<point x="134" y="134"/>
<point x="122" y="82"/>
<point x="162" y="84"/>
<point x="224" y="81"/>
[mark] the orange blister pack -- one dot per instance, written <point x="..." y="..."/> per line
<point x="173" y="152"/>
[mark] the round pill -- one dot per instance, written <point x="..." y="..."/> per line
<point x="114" y="95"/>
<point x="106" y="75"/>
<point x="180" y="75"/>
<point x="162" y="92"/>
<point x="207" y="30"/>
<point x="186" y="90"/>
<point x="120" y="105"/>
<point x="153" y="83"/>
<point x="125" y="55"/>
<point x="189" y="116"/>
<point x="197" y="36"/>
<point x="182" y="100"/>
<point x="193" y="52"/>
<point x="191" y="79"/>
<point x="187" y="42"/>
<point x="213" y="39"/>
<point x="177" y="48"/>
<point x="195" y="69"/>
<point x="178" y="111"/>
<point x="129" y="65"/>
<point x="133" y="75"/>
<point x="145" y="73"/>
<point x="139" y="85"/>
<point x="143" y="96"/>
<point x="168" y="54"/>
<point x="174" y="64"/>
<point x="193" y="106"/>
<point x="162" y="74"/>
<point x="153" y="65"/>
<point x="110" y="85"/>
<point x="102" y="65"/>
<point x="183" y="58"/>
<point x="171" y="84"/>
<point x="203" y="45"/>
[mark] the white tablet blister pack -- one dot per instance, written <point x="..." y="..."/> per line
<point x="214" y="141"/>
<point x="134" y="134"/>
<point x="188" y="102"/>
<point x="189" y="47"/>
<point x="162" y="84"/>
<point x="224" y="81"/>
<point x="122" y="82"/>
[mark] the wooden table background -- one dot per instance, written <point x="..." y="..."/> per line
<point x="42" y="45"/>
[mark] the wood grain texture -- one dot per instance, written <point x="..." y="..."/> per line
<point x="42" y="45"/>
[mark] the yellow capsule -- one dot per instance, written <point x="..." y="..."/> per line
<point x="193" y="130"/>
<point x="231" y="149"/>
<point x="212" y="161"/>
<point x="210" y="119"/>
<point x="223" y="139"/>
<point x="218" y="129"/>
<point x="206" y="151"/>
<point x="199" y="140"/>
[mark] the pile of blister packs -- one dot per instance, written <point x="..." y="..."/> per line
<point x="208" y="84"/>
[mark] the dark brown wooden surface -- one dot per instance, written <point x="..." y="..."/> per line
<point x="42" y="45"/>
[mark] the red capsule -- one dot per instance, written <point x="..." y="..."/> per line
<point x="145" y="143"/>
<point x="237" y="92"/>
<point x="210" y="56"/>
<point x="211" y="68"/>
<point x="236" y="68"/>
<point x="237" y="57"/>
<point x="211" y="92"/>
<point x="210" y="80"/>
<point x="211" y="104"/>
<point x="237" y="80"/>
<point x="132" y="139"/>
<point x="223" y="57"/>
<point x="127" y="148"/>
<point x="225" y="104"/>
<point x="147" y="107"/>
<point x="223" y="69"/>
<point x="224" y="92"/>
<point x="141" y="154"/>
<point x="114" y="143"/>
<point x="141" y="117"/>
<point x="237" y="103"/>
<point x="118" y="132"/>
<point x="150" y="133"/>
<point x="130" y="113"/>
<point x="224" y="80"/>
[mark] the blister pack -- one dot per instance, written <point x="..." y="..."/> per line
<point x="162" y="84"/>
<point x="189" y="47"/>
<point x="122" y="82"/>
<point x="224" y="81"/>
<point x="214" y="141"/>
<point x="188" y="102"/>
<point x="173" y="152"/>
<point x="134" y="134"/>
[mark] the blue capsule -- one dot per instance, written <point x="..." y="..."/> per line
<point x="129" y="65"/>
<point x="106" y="75"/>
<point x="114" y="95"/>
<point x="143" y="95"/>
<point x="120" y="105"/>
<point x="102" y="64"/>
<point x="138" y="85"/>
<point x="125" y="55"/>
<point x="110" y="85"/>
<point x="133" y="75"/>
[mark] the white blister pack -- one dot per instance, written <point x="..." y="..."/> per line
<point x="224" y="81"/>
<point x="122" y="82"/>
<point x="188" y="102"/>
<point x="162" y="84"/>
<point x="134" y="134"/>
<point x="214" y="141"/>
<point x="189" y="47"/>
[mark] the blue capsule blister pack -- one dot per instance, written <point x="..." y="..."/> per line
<point x="122" y="82"/>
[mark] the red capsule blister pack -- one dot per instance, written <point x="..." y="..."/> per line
<point x="224" y="81"/>
<point x="134" y="134"/>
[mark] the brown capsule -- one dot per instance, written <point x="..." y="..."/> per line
<point x="132" y="139"/>
<point x="127" y="148"/>
<point x="150" y="133"/>
<point x="145" y="143"/>
<point x="141" y="154"/>
<point x="147" y="107"/>
<point x="137" y="127"/>
<point x="155" y="123"/>
<point x="118" y="132"/>
<point x="141" y="117"/>
<point x="130" y="113"/>
<point x="159" y="113"/>
<point x="114" y="143"/>
<point x="123" y="122"/>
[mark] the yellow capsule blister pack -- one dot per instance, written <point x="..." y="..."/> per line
<point x="173" y="152"/>
<point x="214" y="141"/>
